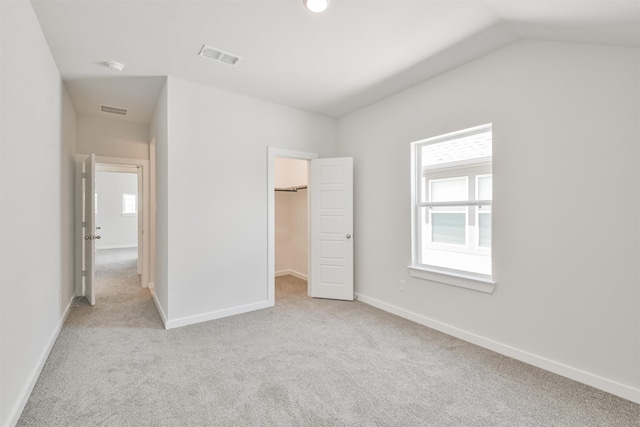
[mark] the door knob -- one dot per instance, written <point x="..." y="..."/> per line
<point x="348" y="236"/>
<point x="98" y="228"/>
<point x="87" y="237"/>
<point x="98" y="237"/>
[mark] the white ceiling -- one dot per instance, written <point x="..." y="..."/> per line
<point x="355" y="53"/>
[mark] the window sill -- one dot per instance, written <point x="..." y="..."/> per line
<point x="480" y="283"/>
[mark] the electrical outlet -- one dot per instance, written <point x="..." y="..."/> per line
<point x="403" y="285"/>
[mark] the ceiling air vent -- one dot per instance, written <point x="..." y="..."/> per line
<point x="218" y="55"/>
<point x="113" y="110"/>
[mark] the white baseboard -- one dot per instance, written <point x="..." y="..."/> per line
<point x="190" y="320"/>
<point x="158" y="306"/>
<point x="15" y="413"/>
<point x="291" y="273"/>
<point x="116" y="247"/>
<point x="590" y="379"/>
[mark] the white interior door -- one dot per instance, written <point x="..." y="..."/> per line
<point x="89" y="230"/>
<point x="331" y="234"/>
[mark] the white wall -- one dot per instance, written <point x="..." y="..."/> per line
<point x="159" y="132"/>
<point x="37" y="144"/>
<point x="291" y="247"/>
<point x="68" y="208"/>
<point x="216" y="173"/>
<point x="116" y="230"/>
<point x="114" y="138"/>
<point x="566" y="206"/>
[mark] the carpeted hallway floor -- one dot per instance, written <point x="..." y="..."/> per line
<point x="304" y="362"/>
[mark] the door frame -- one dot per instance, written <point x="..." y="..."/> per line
<point x="144" y="208"/>
<point x="272" y="153"/>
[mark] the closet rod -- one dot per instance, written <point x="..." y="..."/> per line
<point x="292" y="189"/>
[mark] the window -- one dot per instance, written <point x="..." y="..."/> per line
<point x="129" y="204"/>
<point x="452" y="197"/>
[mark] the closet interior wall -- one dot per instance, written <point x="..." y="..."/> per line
<point x="291" y="240"/>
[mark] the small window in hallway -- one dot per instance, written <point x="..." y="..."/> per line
<point x="129" y="204"/>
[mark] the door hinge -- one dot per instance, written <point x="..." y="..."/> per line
<point x="84" y="273"/>
<point x="84" y="174"/>
<point x="84" y="223"/>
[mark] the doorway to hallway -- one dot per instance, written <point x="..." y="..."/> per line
<point x="118" y="224"/>
<point x="113" y="214"/>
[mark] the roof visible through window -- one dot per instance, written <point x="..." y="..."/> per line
<point x="467" y="147"/>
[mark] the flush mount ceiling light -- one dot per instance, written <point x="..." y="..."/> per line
<point x="115" y="66"/>
<point x="316" y="5"/>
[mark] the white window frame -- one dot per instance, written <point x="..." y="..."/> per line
<point x="461" y="278"/>
<point x="477" y="233"/>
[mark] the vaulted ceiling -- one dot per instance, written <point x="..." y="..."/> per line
<point x="332" y="63"/>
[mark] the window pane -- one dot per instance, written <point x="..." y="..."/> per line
<point x="484" y="229"/>
<point x="128" y="204"/>
<point x="424" y="192"/>
<point x="449" y="190"/>
<point x="485" y="190"/>
<point x="448" y="227"/>
<point x="475" y="146"/>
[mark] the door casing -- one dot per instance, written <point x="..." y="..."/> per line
<point x="145" y="212"/>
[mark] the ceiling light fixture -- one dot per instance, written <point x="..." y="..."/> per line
<point x="115" y="66"/>
<point x="316" y="5"/>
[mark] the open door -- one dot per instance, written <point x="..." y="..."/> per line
<point x="331" y="207"/>
<point x="89" y="230"/>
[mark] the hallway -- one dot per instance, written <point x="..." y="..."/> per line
<point x="120" y="301"/>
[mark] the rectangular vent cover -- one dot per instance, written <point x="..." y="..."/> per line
<point x="113" y="110"/>
<point x="218" y="55"/>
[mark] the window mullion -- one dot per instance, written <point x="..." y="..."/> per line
<point x="455" y="204"/>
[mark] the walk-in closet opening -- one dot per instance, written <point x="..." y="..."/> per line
<point x="291" y="227"/>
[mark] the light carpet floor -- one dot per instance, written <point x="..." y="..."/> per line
<point x="304" y="362"/>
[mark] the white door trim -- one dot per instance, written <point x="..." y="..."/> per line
<point x="116" y="161"/>
<point x="272" y="153"/>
